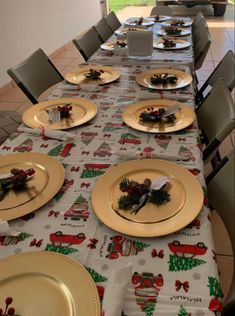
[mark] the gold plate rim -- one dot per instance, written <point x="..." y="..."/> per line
<point x="147" y="73"/>
<point x="157" y="43"/>
<point x="115" y="73"/>
<point x="185" y="32"/>
<point x="128" y="115"/>
<point x="22" y="263"/>
<point x="55" y="170"/>
<point x="146" y="22"/>
<point x="187" y="24"/>
<point x="29" y="116"/>
<point x="124" y="30"/>
<point x="110" y="218"/>
<point x="163" y="18"/>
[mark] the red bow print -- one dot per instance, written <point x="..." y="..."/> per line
<point x="160" y="254"/>
<point x="182" y="139"/>
<point x="107" y="135"/>
<point x="53" y="213"/>
<point x="92" y="244"/>
<point x="44" y="145"/>
<point x="83" y="184"/>
<point x="75" y="169"/>
<point x="85" y="152"/>
<point x="6" y="148"/>
<point x="179" y="284"/>
<point x="36" y="243"/>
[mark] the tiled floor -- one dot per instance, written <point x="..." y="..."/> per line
<point x="222" y="32"/>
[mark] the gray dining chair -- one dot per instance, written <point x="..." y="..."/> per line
<point x="162" y="10"/>
<point x="197" y="31"/>
<point x="197" y="19"/>
<point x="35" y="75"/>
<point x="216" y="118"/>
<point x="88" y="43"/>
<point x="221" y="197"/>
<point x="113" y="21"/>
<point x="224" y="70"/>
<point x="9" y="121"/>
<point x="201" y="49"/>
<point x="103" y="29"/>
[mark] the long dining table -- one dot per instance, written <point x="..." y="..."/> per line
<point x="170" y="282"/>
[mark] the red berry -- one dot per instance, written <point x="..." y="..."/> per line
<point x="9" y="300"/>
<point x="11" y="311"/>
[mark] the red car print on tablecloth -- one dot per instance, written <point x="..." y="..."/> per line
<point x="121" y="246"/>
<point x="195" y="223"/>
<point x="128" y="138"/>
<point x="147" y="286"/>
<point x="188" y="251"/>
<point x="60" y="239"/>
<point x="26" y="146"/>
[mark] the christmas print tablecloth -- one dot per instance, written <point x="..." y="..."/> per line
<point x="120" y="57"/>
<point x="166" y="280"/>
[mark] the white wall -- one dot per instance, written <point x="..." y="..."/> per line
<point x="26" y="25"/>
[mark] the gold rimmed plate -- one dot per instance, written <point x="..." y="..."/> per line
<point x="184" y="117"/>
<point x="187" y="22"/>
<point x="184" y="32"/>
<point x="146" y="22"/>
<point x="183" y="79"/>
<point x="79" y="76"/>
<point x="124" y="30"/>
<point x="38" y="115"/>
<point x="179" y="44"/>
<point x="109" y="46"/>
<point x="49" y="284"/>
<point x="46" y="182"/>
<point x="161" y="18"/>
<point x="150" y="221"/>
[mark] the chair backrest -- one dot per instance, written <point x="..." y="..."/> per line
<point x="35" y="75"/>
<point x="113" y="21"/>
<point x="201" y="49"/>
<point x="197" y="20"/>
<point x="88" y="43"/>
<point x="103" y="29"/>
<point x="9" y="121"/>
<point x="197" y="31"/>
<point x="221" y="197"/>
<point x="216" y="117"/>
<point x="162" y="10"/>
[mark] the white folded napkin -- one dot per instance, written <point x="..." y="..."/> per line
<point x="6" y="230"/>
<point x="127" y="155"/>
<point x="55" y="134"/>
<point x="115" y="290"/>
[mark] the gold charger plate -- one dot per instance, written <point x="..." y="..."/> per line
<point x="187" y="22"/>
<point x="184" y="117"/>
<point x="109" y="46"/>
<point x="38" y="115"/>
<point x="151" y="221"/>
<point x="78" y="77"/>
<point x="146" y="22"/>
<point x="184" y="79"/>
<point x="49" y="284"/>
<point x="184" y="32"/>
<point x="46" y="182"/>
<point x="180" y="44"/>
<point x="126" y="29"/>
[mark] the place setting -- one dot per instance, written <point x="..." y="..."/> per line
<point x="46" y="283"/>
<point x="174" y="31"/>
<point x="168" y="43"/>
<point x="178" y="21"/>
<point x="158" y="18"/>
<point x="123" y="31"/>
<point x="111" y="46"/>
<point x="147" y="197"/>
<point x="141" y="21"/>
<point x="164" y="79"/>
<point x="158" y="116"/>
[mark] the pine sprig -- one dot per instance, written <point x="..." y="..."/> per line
<point x="138" y="194"/>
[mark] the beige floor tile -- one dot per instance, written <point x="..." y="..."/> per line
<point x="221" y="237"/>
<point x="225" y="264"/>
<point x="13" y="95"/>
<point x="202" y="75"/>
<point x="9" y="106"/>
<point x="226" y="146"/>
<point x="218" y="53"/>
<point x="208" y="66"/>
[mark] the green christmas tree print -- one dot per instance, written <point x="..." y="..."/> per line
<point x="215" y="288"/>
<point x="149" y="308"/>
<point x="60" y="249"/>
<point x="96" y="276"/>
<point x="56" y="150"/>
<point x="91" y="173"/>
<point x="182" y="311"/>
<point x="140" y="245"/>
<point x="183" y="264"/>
